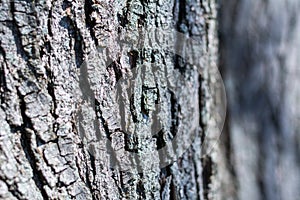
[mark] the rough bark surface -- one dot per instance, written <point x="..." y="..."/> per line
<point x="46" y="152"/>
<point x="260" y="60"/>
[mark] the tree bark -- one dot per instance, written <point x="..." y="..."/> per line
<point x="61" y="65"/>
<point x="260" y="56"/>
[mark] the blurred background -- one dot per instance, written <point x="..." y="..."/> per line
<point x="260" y="56"/>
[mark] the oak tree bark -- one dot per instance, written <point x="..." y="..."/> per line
<point x="55" y="104"/>
<point x="260" y="56"/>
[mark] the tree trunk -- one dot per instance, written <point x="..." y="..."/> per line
<point x="70" y="127"/>
<point x="260" y="58"/>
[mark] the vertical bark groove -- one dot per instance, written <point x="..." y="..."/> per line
<point x="62" y="128"/>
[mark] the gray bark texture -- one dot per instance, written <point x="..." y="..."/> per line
<point x="260" y="44"/>
<point x="55" y="104"/>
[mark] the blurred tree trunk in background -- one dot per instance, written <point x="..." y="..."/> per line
<point x="260" y="44"/>
<point x="43" y="155"/>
